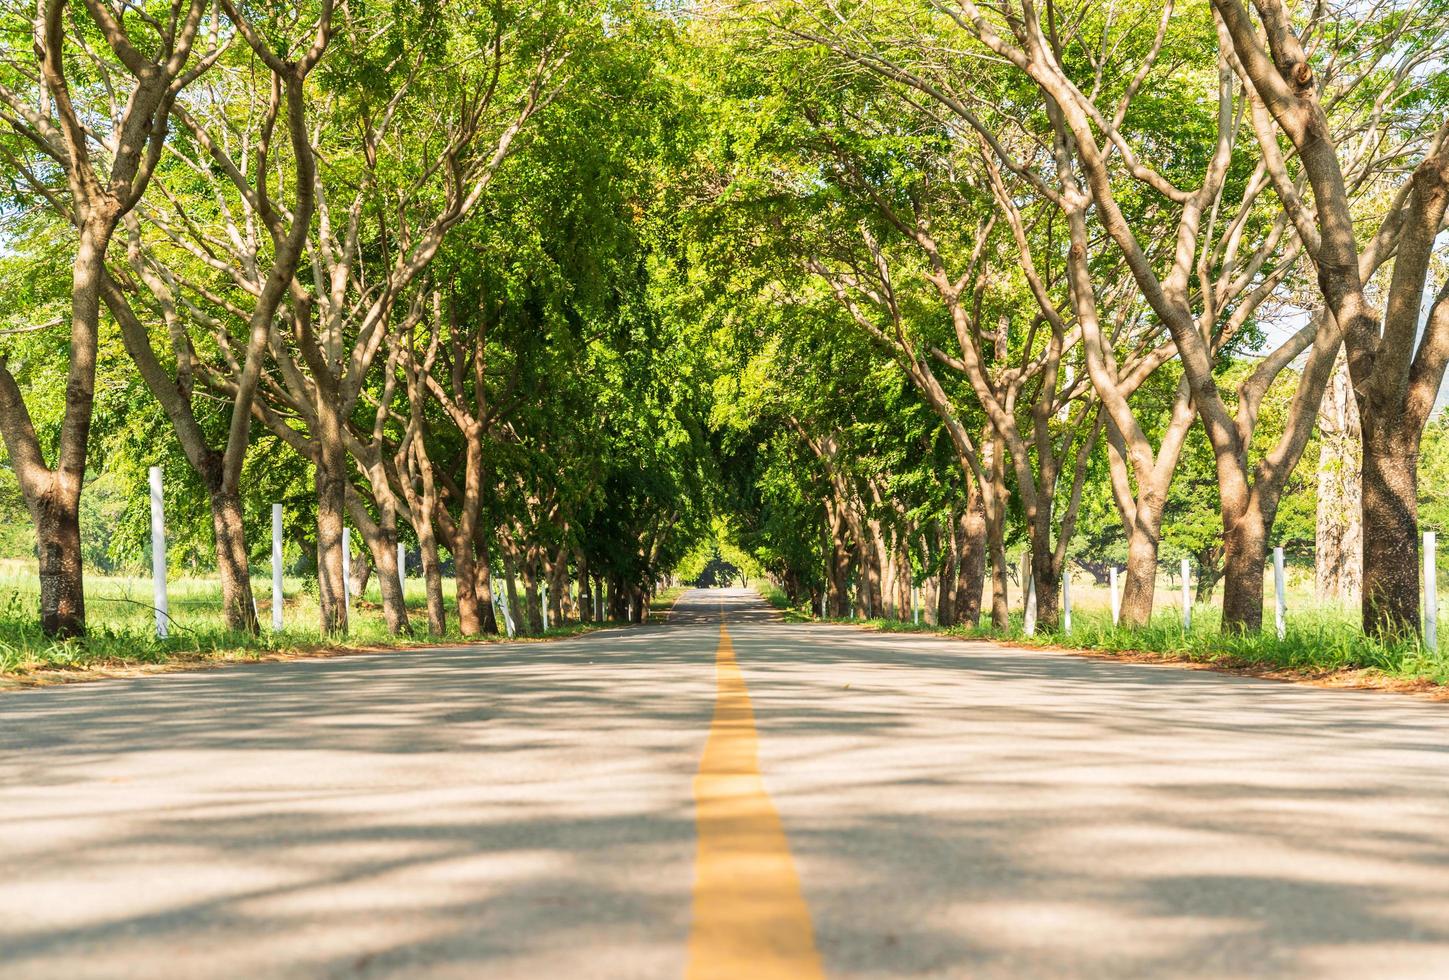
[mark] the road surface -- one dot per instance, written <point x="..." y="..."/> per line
<point x="757" y="800"/>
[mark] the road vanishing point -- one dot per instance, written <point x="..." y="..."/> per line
<point x="723" y="795"/>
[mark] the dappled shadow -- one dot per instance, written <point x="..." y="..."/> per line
<point x="964" y="809"/>
<point x="957" y="809"/>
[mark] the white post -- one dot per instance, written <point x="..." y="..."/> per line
<point x="276" y="566"/>
<point x="1066" y="600"/>
<point x="1029" y="613"/>
<point x="402" y="566"/>
<point x="1186" y="595"/>
<point x="1281" y="607"/>
<point x="158" y="553"/>
<point x="1116" y="599"/>
<point x="346" y="568"/>
<point x="545" y="607"/>
<point x="915" y="605"/>
<point x="1431" y="593"/>
<point x="502" y="595"/>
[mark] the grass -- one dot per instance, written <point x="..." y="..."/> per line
<point x="121" y="628"/>
<point x="1318" y="640"/>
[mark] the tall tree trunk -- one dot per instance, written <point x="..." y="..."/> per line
<point x="1338" y="535"/>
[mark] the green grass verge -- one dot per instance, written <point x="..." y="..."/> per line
<point x="1312" y="644"/>
<point x="121" y="627"/>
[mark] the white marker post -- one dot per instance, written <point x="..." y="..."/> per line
<point x="276" y="567"/>
<point x="346" y="568"/>
<point x="1186" y="596"/>
<point x="1066" y="601"/>
<point x="1116" y="599"/>
<point x="1281" y="608"/>
<point x="1028" y="624"/>
<point x="1431" y="593"/>
<point x="402" y="566"/>
<point x="545" y="608"/>
<point x="503" y="608"/>
<point x="158" y="553"/>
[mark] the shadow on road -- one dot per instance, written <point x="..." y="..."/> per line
<point x="957" y="809"/>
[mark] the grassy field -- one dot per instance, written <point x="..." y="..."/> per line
<point x="122" y="624"/>
<point x="1318" y="638"/>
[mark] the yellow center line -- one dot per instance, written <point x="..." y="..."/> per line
<point x="750" y="918"/>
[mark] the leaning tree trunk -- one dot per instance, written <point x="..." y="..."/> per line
<point x="381" y="539"/>
<point x="1338" y="535"/>
<point x="1390" y="527"/>
<point x="232" y="563"/>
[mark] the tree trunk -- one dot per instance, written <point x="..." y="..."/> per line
<point x="1047" y="578"/>
<point x="971" y="563"/>
<point x="1209" y="573"/>
<point x="232" y="563"/>
<point x="470" y="620"/>
<point x="510" y="587"/>
<point x="1338" y="536"/>
<point x="1390" y="529"/>
<point x="331" y="507"/>
<point x="432" y="577"/>
<point x="381" y="538"/>
<point x="558" y="588"/>
<point x="1245" y="551"/>
<point x="62" y="586"/>
<point x="483" y="581"/>
<point x="360" y="567"/>
<point x="533" y="604"/>
<point x="586" y="589"/>
<point x="1140" y="587"/>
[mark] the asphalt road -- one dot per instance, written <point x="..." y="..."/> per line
<point x="541" y="810"/>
